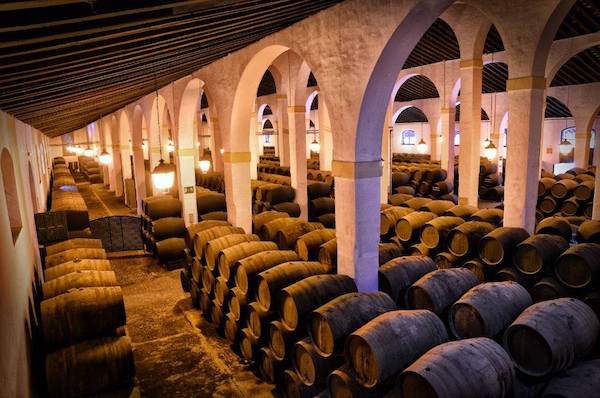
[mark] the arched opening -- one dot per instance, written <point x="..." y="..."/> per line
<point x="11" y="195"/>
<point x="559" y="125"/>
<point x="410" y="127"/>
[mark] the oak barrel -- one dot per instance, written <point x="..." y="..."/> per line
<point x="493" y="216"/>
<point x="77" y="243"/>
<point x="74" y="266"/>
<point x="579" y="266"/>
<point x="555" y="226"/>
<point x="74" y="255"/>
<point x="311" y="367"/>
<point x="307" y="246"/>
<point x="206" y="235"/>
<point x="398" y="274"/>
<point x="228" y="257"/>
<point x="582" y="380"/>
<point x="539" y="252"/>
<point x="214" y="246"/>
<point x="390" y="216"/>
<point x="76" y="280"/>
<point x="201" y="226"/>
<point x="499" y="245"/>
<point x="247" y="268"/>
<point x="328" y="253"/>
<point x="287" y="236"/>
<point x="434" y="233"/>
<point x="464" y="239"/>
<point x="409" y="226"/>
<point x="589" y="232"/>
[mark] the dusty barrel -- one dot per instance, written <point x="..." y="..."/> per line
<point x="418" y="249"/>
<point x="320" y="206"/>
<point x="74" y="266"/>
<point x="310" y="366"/>
<point x="470" y="368"/>
<point x="228" y="257"/>
<point x="293" y="387"/>
<point x="342" y="384"/>
<point x="513" y="274"/>
<point x="328" y="253"/>
<point x="278" y="194"/>
<point x="548" y="288"/>
<point x="499" y="245"/>
<point x="261" y="219"/>
<point x="551" y="335"/>
<point x="555" y="226"/>
<point x="163" y="207"/>
<point x="168" y="227"/>
<point x="248" y="344"/>
<point x="578" y="267"/>
<point x="549" y="205"/>
<point x="269" y="230"/>
<point x="247" y="268"/>
<point x="539" y="252"/>
<point x="569" y="207"/>
<point x="563" y="188"/>
<point x="258" y="320"/>
<point x="438" y="207"/>
<point x="390" y="216"/>
<point x="589" y="232"/>
<point x="333" y="321"/>
<point x="416" y="203"/>
<point x="282" y="339"/>
<point x="287" y="236"/>
<point x="585" y="190"/>
<point x="207" y="202"/>
<point x="298" y="300"/>
<point x="464" y="238"/>
<point x="82" y="314"/>
<point x="221" y="292"/>
<point x="307" y="245"/>
<point x="78" y="279"/>
<point x="291" y="208"/>
<point x="435" y="232"/>
<point x="445" y="260"/>
<point x="170" y="249"/>
<point x="479" y="269"/>
<point x="90" y="367"/>
<point x="230" y="329"/>
<point x="237" y="303"/>
<point x="271" y="281"/>
<point x="74" y="255"/>
<point x="77" y="243"/>
<point x="214" y="246"/>
<point x="269" y="367"/>
<point x="371" y="356"/>
<point x="463" y="211"/>
<point x="582" y="380"/>
<point x="389" y="251"/>
<point x="493" y="216"/>
<point x="544" y="185"/>
<point x="398" y="274"/>
<point x="399" y="198"/>
<point x="318" y="190"/>
<point x="487" y="309"/>
<point x="191" y="230"/>
<point x="202" y="237"/>
<point x="409" y="226"/>
<point x="437" y="290"/>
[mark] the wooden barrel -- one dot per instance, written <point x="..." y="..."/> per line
<point x="548" y="288"/>
<point x="74" y="255"/>
<point x="442" y="371"/>
<point x="316" y="190"/>
<point x="563" y="188"/>
<point x="271" y="281"/>
<point x="328" y="220"/>
<point x="445" y="260"/>
<point x="298" y="300"/>
<point x="464" y="238"/>
<point x="409" y="226"/>
<point x="333" y="321"/>
<point x="405" y="190"/>
<point x="287" y="236"/>
<point x="258" y="320"/>
<point x="555" y="226"/>
<point x="341" y="383"/>
<point x="500" y="244"/>
<point x="487" y="309"/>
<point x="237" y="303"/>
<point x="278" y="194"/>
<point x="437" y="290"/>
<point x="269" y="230"/>
<point x="479" y="269"/>
<point x="549" y="205"/>
<point x="371" y="356"/>
<point x="207" y="202"/>
<point x="389" y="251"/>
<point x="582" y="380"/>
<point x="291" y="208"/>
<point x="398" y="274"/>
<point x="579" y="267"/>
<point x="248" y="344"/>
<point x="74" y="266"/>
<point x="390" y="216"/>
<point x="213" y="216"/>
<point x="204" y="302"/>
<point x="82" y="314"/>
<point x="269" y="367"/>
<point x="217" y="317"/>
<point x="170" y="249"/>
<point x="78" y="279"/>
<point x="248" y="268"/>
<point x="585" y="190"/>
<point x="221" y="293"/>
<point x="493" y="216"/>
<point x="418" y="249"/>
<point x="230" y="329"/>
<point x="399" y="198"/>
<point x="162" y="207"/>
<point x="195" y="293"/>
<point x="307" y="245"/>
<point x="539" y="252"/>
<point x="400" y="179"/>
<point x="214" y="246"/>
<point x="589" y="232"/>
<point x="434" y="233"/>
<point x="544" y="185"/>
<point x="69" y="371"/>
<point x="201" y="226"/>
<point x="77" y="243"/>
<point x="168" y="227"/>
<point x="202" y="237"/>
<point x="416" y="203"/>
<point x="261" y="219"/>
<point x="320" y="206"/>
<point x="437" y="206"/>
<point x="228" y="257"/>
<point x="551" y="335"/>
<point x="513" y="274"/>
<point x="569" y="207"/>
<point x="312" y="368"/>
<point x="463" y="211"/>
<point x="293" y="387"/>
<point x="328" y="253"/>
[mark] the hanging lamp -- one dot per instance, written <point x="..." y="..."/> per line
<point x="565" y="147"/>
<point x="163" y="175"/>
<point x="204" y="164"/>
<point x="490" y="151"/>
<point x="421" y="145"/>
<point x="89" y="152"/>
<point x="105" y="157"/>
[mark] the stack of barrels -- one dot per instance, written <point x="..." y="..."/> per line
<point x="83" y="321"/>
<point x="65" y="197"/>
<point x="270" y="170"/>
<point x="490" y="183"/>
<point x="321" y="206"/>
<point x="569" y="194"/>
<point x="214" y="181"/>
<point x="269" y="152"/>
<point x="273" y="196"/>
<point x="90" y="169"/>
<point x="163" y="230"/>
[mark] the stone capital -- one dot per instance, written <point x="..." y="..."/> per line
<point x="356" y="170"/>
<point x="186" y="151"/>
<point x="297" y="109"/>
<point x="471" y="63"/>
<point x="526" y="83"/>
<point x="447" y="111"/>
<point x="280" y="96"/>
<point x="236" y="157"/>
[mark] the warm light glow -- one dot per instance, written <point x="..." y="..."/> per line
<point x="163" y="175"/>
<point x="170" y="146"/>
<point x="222" y="151"/>
<point x="314" y="146"/>
<point x="422" y="146"/>
<point x="144" y="145"/>
<point x="565" y="147"/>
<point x="440" y="138"/>
<point x="89" y="152"/>
<point x="490" y="151"/>
<point x="204" y="165"/>
<point x="105" y="157"/>
<point x="69" y="148"/>
<point x="78" y="150"/>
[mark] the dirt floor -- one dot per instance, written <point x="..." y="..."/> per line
<point x="177" y="352"/>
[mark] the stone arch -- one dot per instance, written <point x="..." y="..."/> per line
<point x="32" y="188"/>
<point x="126" y="143"/>
<point x="407" y="77"/>
<point x="555" y="69"/>
<point x="11" y="194"/>
<point x="141" y="152"/>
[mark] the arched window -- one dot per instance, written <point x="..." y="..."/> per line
<point x="456" y="138"/>
<point x="504" y="137"/>
<point x="10" y="194"/>
<point x="593" y="139"/>
<point x="408" y="137"/>
<point x="568" y="134"/>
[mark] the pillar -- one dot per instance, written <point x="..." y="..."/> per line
<point x="357" y="208"/>
<point x="470" y="126"/>
<point x="117" y="169"/>
<point x="448" y="116"/>
<point x="386" y="155"/>
<point x="187" y="184"/>
<point x="596" y="203"/>
<point x="297" y="153"/>
<point x="284" y="130"/>
<point x="139" y="175"/>
<point x="236" y="168"/>
<point x="253" y="146"/>
<point x="582" y="142"/>
<point x="217" y="156"/>
<point x="325" y="137"/>
<point x="525" y="104"/>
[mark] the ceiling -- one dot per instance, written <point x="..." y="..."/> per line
<point x="555" y="108"/>
<point x="66" y="63"/>
<point x="411" y="115"/>
<point x="581" y="69"/>
<point x="416" y="87"/>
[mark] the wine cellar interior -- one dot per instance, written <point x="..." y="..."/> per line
<point x="297" y="199"/>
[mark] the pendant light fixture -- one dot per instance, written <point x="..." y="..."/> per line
<point x="421" y="145"/>
<point x="565" y="146"/>
<point x="163" y="175"/>
<point x="105" y="158"/>
<point x="204" y="164"/>
<point x="490" y="150"/>
<point x="89" y="152"/>
<point x="314" y="145"/>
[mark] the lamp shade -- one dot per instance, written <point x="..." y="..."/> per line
<point x="315" y="147"/>
<point x="422" y="146"/>
<point x="78" y="150"/>
<point x="89" y="152"/>
<point x="440" y="138"/>
<point x="222" y="150"/>
<point x="490" y="151"/>
<point x="204" y="165"/>
<point x="565" y="147"/>
<point x="170" y="146"/>
<point x="105" y="157"/>
<point x="163" y="175"/>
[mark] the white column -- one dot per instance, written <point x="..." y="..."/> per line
<point x="596" y="205"/>
<point x="582" y="142"/>
<point x="217" y="157"/>
<point x="283" y="126"/>
<point x="187" y="184"/>
<point x="117" y="169"/>
<point x="140" y="176"/>
<point x="325" y="137"/>
<point x="297" y="151"/>
<point x="253" y="146"/>
<point x="236" y="168"/>
<point x="386" y="155"/>
<point x="448" y="116"/>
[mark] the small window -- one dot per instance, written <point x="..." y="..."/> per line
<point x="568" y="134"/>
<point x="504" y="137"/>
<point x="456" y="138"/>
<point x="593" y="139"/>
<point x="267" y="139"/>
<point x="408" y="137"/>
<point x="10" y="194"/>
